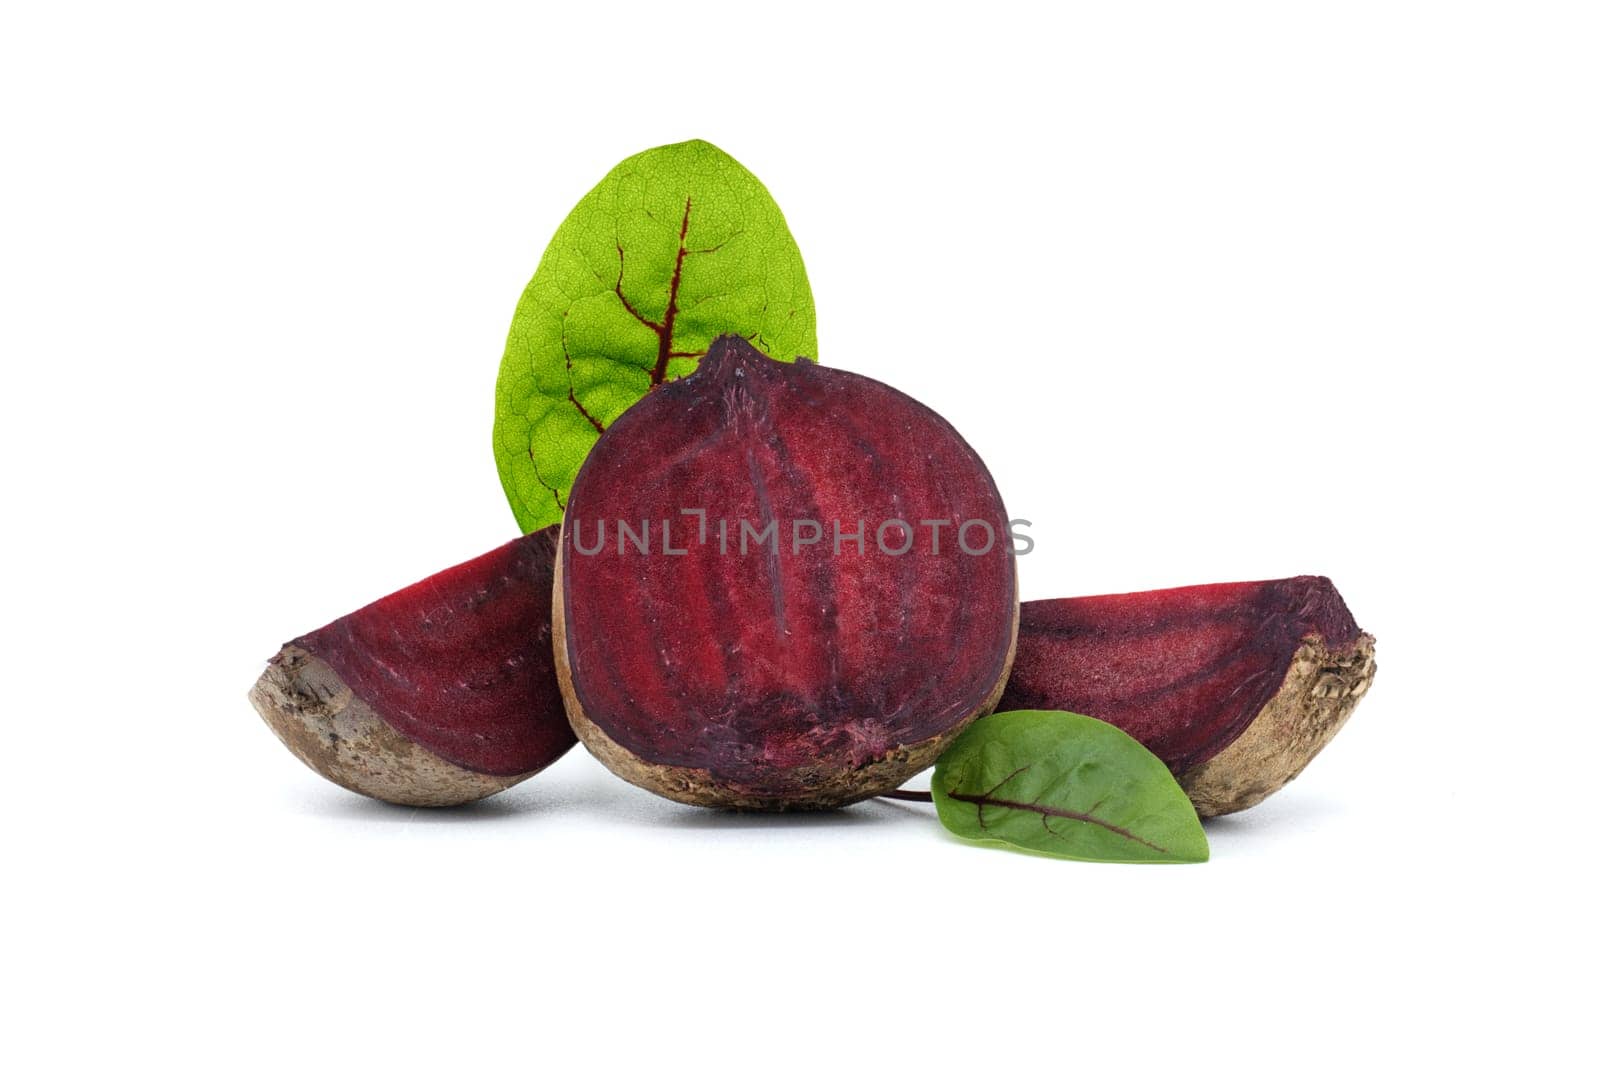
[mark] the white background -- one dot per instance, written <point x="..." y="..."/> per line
<point x="1221" y="292"/>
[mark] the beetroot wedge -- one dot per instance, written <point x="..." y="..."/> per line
<point x="439" y="694"/>
<point x="750" y="607"/>
<point x="1234" y="686"/>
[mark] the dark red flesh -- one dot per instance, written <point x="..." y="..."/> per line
<point x="753" y="667"/>
<point x="461" y="662"/>
<point x="1183" y="670"/>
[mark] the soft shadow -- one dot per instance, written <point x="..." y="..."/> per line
<point x="869" y="811"/>
<point x="589" y="790"/>
<point x="1284" y="812"/>
<point x="344" y="805"/>
<point x="900" y="810"/>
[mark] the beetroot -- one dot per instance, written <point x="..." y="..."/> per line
<point x="439" y="694"/>
<point x="1234" y="686"/>
<point x="723" y="636"/>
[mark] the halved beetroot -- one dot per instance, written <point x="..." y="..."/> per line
<point x="784" y="674"/>
<point x="439" y="694"/>
<point x="1235" y="686"/>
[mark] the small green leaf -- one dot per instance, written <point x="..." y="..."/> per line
<point x="1066" y="785"/>
<point x="675" y="247"/>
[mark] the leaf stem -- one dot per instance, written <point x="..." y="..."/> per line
<point x="908" y="796"/>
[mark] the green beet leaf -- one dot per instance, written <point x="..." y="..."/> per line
<point x="676" y="246"/>
<point x="1066" y="785"/>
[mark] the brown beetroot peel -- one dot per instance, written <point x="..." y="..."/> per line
<point x="438" y="694"/>
<point x="1234" y="686"/>
<point x="788" y="678"/>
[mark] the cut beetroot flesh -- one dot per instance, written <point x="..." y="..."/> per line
<point x="778" y="673"/>
<point x="1184" y="670"/>
<point x="460" y="662"/>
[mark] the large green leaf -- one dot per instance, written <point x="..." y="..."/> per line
<point x="676" y="246"/>
<point x="1066" y="785"/>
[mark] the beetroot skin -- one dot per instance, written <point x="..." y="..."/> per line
<point x="796" y="675"/>
<point x="1234" y="686"/>
<point x="439" y="694"/>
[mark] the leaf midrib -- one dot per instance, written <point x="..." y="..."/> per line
<point x="1052" y="811"/>
<point x="662" y="329"/>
